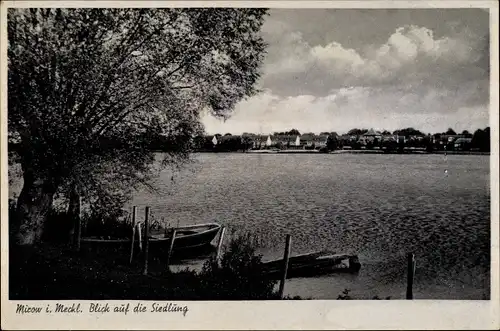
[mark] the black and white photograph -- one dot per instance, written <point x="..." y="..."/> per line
<point x="164" y="155"/>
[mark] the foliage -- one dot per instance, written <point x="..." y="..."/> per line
<point x="107" y="226"/>
<point x="239" y="274"/>
<point x="332" y="143"/>
<point x="408" y="132"/>
<point x="92" y="90"/>
<point x="481" y="140"/>
<point x="292" y="132"/>
<point x="229" y="143"/>
<point x="357" y="132"/>
<point x="466" y="133"/>
<point x="450" y="131"/>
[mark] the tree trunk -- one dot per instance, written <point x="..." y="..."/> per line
<point x="33" y="204"/>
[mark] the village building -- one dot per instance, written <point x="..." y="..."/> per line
<point x="321" y="140"/>
<point x="462" y="144"/>
<point x="269" y="141"/>
<point x="307" y="140"/>
<point x="371" y="135"/>
<point x="287" y="141"/>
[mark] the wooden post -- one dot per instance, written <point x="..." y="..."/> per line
<point x="219" y="244"/>
<point x="286" y="258"/>
<point x="134" y="213"/>
<point x="171" y="248"/>
<point x="410" y="275"/>
<point x="146" y="241"/>
<point x="139" y="235"/>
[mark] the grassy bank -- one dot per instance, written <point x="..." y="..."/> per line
<point x="52" y="270"/>
<point x="55" y="272"/>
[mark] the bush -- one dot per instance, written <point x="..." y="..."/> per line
<point x="239" y="275"/>
<point x="116" y="225"/>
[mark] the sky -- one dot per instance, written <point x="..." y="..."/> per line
<point x="338" y="69"/>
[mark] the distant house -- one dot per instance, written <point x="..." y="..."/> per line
<point x="390" y="137"/>
<point x="445" y="139"/>
<point x="321" y="140"/>
<point x="260" y="141"/>
<point x="269" y="141"/>
<point x="307" y="140"/>
<point x="297" y="141"/>
<point x="288" y="141"/>
<point x="214" y="140"/>
<point x="371" y="135"/>
<point x="311" y="140"/>
<point x="462" y="144"/>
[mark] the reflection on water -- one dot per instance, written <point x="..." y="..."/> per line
<point x="378" y="206"/>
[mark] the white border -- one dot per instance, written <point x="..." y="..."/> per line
<point x="317" y="314"/>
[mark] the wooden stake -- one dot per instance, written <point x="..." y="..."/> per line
<point x="134" y="213"/>
<point x="139" y="235"/>
<point x="410" y="275"/>
<point x="219" y="244"/>
<point x="146" y="241"/>
<point x="171" y="248"/>
<point x="286" y="258"/>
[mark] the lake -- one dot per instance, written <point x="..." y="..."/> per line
<point x="377" y="206"/>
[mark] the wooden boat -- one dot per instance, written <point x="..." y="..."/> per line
<point x="187" y="237"/>
<point x="313" y="264"/>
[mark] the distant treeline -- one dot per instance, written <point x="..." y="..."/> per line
<point x="389" y="141"/>
<point x="479" y="140"/>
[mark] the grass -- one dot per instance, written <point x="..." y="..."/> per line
<point x="55" y="272"/>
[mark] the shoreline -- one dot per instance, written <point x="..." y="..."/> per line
<point x="406" y="152"/>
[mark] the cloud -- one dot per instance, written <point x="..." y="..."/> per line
<point x="411" y="55"/>
<point x="427" y="109"/>
<point x="387" y="69"/>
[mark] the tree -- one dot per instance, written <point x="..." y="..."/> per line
<point x="90" y="89"/>
<point x="357" y="132"/>
<point x="408" y="132"/>
<point x="227" y="134"/>
<point x="466" y="134"/>
<point x="247" y="142"/>
<point x="450" y="131"/>
<point x="386" y="133"/>
<point x="230" y="143"/>
<point x="481" y="140"/>
<point x="332" y="142"/>
<point x="293" y="132"/>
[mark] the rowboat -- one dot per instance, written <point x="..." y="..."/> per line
<point x="313" y="264"/>
<point x="187" y="237"/>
